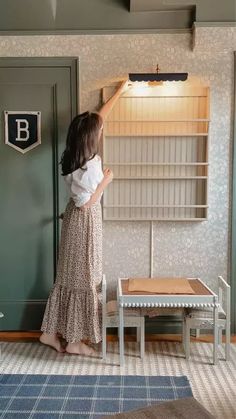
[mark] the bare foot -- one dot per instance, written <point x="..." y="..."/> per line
<point x="51" y="340"/>
<point x="80" y="348"/>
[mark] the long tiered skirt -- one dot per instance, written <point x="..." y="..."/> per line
<point x="73" y="307"/>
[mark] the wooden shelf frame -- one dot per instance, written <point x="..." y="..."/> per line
<point x="160" y="172"/>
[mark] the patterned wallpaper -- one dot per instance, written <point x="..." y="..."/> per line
<point x="180" y="248"/>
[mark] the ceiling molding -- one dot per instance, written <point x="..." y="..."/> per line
<point x="205" y="11"/>
<point x="215" y="24"/>
<point x="95" y="32"/>
<point x="160" y="5"/>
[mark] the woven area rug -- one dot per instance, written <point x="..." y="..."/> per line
<point x="72" y="396"/>
<point x="213" y="386"/>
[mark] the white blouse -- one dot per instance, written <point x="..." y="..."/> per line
<point x="83" y="183"/>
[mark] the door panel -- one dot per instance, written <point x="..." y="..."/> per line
<point x="32" y="193"/>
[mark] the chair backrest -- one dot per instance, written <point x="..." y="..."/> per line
<point x="224" y="295"/>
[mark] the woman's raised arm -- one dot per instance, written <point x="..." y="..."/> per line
<point x="107" y="107"/>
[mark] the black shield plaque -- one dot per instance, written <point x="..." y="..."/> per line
<point x="22" y="129"/>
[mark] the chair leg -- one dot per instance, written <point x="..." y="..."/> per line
<point x="227" y="341"/>
<point x="216" y="335"/>
<point x="104" y="342"/>
<point x="142" y="338"/>
<point x="138" y="334"/>
<point x="197" y="333"/>
<point x="220" y="335"/>
<point x="183" y="333"/>
<point x="187" y="339"/>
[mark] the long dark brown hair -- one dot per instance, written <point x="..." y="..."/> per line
<point x="82" y="142"/>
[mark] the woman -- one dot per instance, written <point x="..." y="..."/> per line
<point x="73" y="306"/>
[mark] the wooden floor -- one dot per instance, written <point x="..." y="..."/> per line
<point x="33" y="336"/>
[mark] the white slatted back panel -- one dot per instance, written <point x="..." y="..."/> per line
<point x="156" y="143"/>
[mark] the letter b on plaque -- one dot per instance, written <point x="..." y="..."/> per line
<point x="22" y="130"/>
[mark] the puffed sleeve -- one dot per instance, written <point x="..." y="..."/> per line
<point x="84" y="183"/>
<point x="81" y="190"/>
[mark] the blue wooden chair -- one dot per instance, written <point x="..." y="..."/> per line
<point x="110" y="318"/>
<point x="203" y="318"/>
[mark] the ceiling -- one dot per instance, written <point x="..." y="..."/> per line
<point x="111" y="16"/>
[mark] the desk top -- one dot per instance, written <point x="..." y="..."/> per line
<point x="198" y="287"/>
<point x="203" y="296"/>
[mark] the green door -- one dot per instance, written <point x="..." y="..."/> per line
<point x="32" y="192"/>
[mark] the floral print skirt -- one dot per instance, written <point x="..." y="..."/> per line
<point x="73" y="307"/>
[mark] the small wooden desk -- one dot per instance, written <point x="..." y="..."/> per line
<point x="203" y="297"/>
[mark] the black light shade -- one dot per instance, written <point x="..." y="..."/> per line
<point x="158" y="76"/>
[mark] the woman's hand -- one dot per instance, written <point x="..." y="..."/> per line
<point x="108" y="176"/>
<point x="125" y="85"/>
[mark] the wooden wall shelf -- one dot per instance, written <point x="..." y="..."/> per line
<point x="157" y="146"/>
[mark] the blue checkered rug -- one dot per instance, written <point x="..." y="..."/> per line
<point x="86" y="396"/>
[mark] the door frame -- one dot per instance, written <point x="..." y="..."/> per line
<point x="73" y="64"/>
<point x="233" y="217"/>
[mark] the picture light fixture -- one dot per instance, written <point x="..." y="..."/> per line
<point x="157" y="77"/>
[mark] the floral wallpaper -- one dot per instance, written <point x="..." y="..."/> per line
<point x="180" y="248"/>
